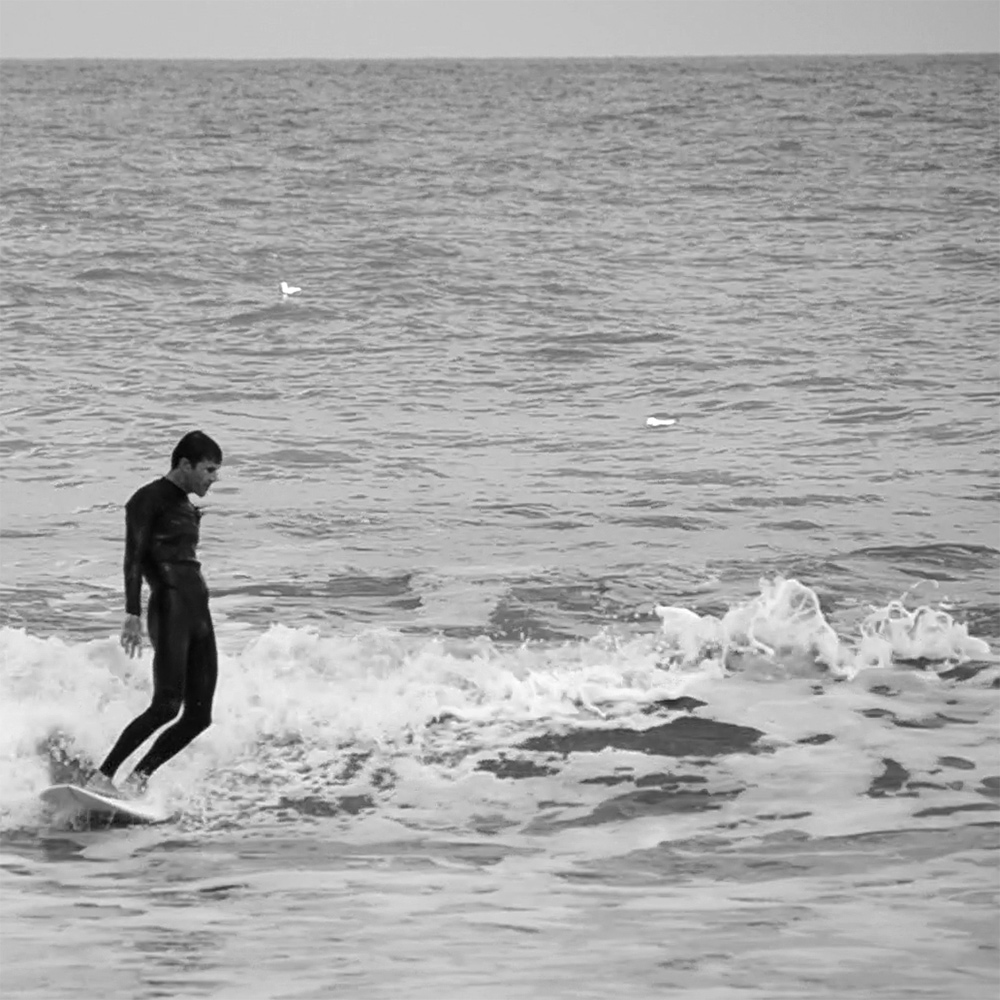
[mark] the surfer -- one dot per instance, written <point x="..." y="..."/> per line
<point x="161" y="536"/>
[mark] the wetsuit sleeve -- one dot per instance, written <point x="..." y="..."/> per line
<point x="139" y="514"/>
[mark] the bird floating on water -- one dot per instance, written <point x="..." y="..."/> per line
<point x="287" y="289"/>
<point x="658" y="422"/>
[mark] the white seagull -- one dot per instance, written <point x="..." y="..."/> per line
<point x="287" y="290"/>
<point x="657" y="422"/>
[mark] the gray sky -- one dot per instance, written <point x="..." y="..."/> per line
<point x="339" y="29"/>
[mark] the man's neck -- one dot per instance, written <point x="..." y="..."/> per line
<point x="179" y="480"/>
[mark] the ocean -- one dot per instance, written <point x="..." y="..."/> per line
<point x="522" y="695"/>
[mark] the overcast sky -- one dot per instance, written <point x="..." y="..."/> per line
<point x="344" y="29"/>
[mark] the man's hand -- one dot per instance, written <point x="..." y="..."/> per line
<point x="131" y="639"/>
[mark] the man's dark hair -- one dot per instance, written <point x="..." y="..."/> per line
<point x="196" y="447"/>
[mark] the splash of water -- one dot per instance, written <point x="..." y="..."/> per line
<point x="301" y="712"/>
<point x="784" y="628"/>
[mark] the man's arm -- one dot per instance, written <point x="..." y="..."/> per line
<point x="139" y="513"/>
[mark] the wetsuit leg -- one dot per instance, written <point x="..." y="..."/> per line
<point x="170" y="634"/>
<point x="199" y="690"/>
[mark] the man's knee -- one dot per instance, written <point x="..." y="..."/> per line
<point x="165" y="707"/>
<point x="199" y="720"/>
<point x="196" y="718"/>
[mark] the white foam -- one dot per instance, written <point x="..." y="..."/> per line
<point x="306" y="713"/>
<point x="784" y="629"/>
<point x="924" y="633"/>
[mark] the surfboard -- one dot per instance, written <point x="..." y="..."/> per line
<point x="73" y="798"/>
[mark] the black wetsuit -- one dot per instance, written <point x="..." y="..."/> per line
<point x="161" y="536"/>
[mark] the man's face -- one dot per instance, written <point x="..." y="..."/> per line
<point x="201" y="476"/>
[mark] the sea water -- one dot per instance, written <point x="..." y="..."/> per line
<point x="520" y="695"/>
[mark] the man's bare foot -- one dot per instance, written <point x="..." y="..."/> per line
<point x="103" y="785"/>
<point x="134" y="786"/>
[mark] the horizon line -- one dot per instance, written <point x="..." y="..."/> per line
<point x="509" y="58"/>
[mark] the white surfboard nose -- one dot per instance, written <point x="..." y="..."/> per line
<point x="69" y="799"/>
